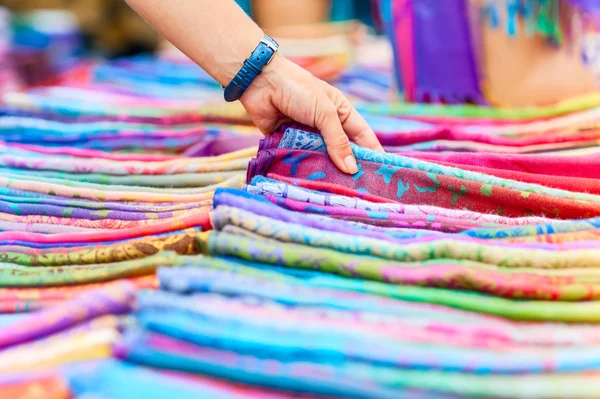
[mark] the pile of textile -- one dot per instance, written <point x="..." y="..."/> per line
<point x="89" y="196"/>
<point x="411" y="278"/>
<point x="150" y="251"/>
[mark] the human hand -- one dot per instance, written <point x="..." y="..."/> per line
<point x="285" y="92"/>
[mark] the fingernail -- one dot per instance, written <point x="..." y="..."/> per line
<point x="350" y="164"/>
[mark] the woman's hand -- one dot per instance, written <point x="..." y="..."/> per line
<point x="218" y="35"/>
<point x="285" y="92"/>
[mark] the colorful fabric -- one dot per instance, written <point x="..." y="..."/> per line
<point x="299" y="326"/>
<point x="524" y="310"/>
<point x="183" y="243"/>
<point x="12" y="275"/>
<point x="115" y="299"/>
<point x="21" y="300"/>
<point x="408" y="216"/>
<point x="160" y="351"/>
<point x="191" y="220"/>
<point x="537" y="283"/>
<point x="86" y="342"/>
<point x="414" y="186"/>
<point x="431" y="273"/>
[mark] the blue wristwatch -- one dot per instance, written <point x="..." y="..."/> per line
<point x="253" y="66"/>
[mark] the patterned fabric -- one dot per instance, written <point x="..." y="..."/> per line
<point x="583" y="312"/>
<point x="115" y="299"/>
<point x="17" y="300"/>
<point x="184" y="244"/>
<point x="12" y="275"/>
<point x="387" y="329"/>
<point x="301" y="140"/>
<point x="535" y="283"/>
<point x="301" y="200"/>
<point x="414" y="186"/>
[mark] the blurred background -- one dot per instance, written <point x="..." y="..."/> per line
<point x="111" y="28"/>
<point x="461" y="51"/>
<point x="44" y="38"/>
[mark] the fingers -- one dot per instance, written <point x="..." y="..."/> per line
<point x="353" y="123"/>
<point x="338" y="144"/>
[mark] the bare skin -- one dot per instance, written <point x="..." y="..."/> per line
<point x="219" y="36"/>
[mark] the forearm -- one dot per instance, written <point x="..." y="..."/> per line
<point x="216" y="34"/>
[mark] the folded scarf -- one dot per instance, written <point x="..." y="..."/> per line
<point x="447" y="188"/>
<point x="197" y="189"/>
<point x="191" y="220"/>
<point x="195" y="319"/>
<point x="352" y="379"/>
<point x="114" y="299"/>
<point x="424" y="188"/>
<point x="88" y="341"/>
<point x="538" y="310"/>
<point x="577" y="284"/>
<point x="184" y="243"/>
<point x="261" y="206"/>
<point x="103" y="224"/>
<point x="24" y="300"/>
<point x="12" y="275"/>
<point x="183" y="180"/>
<point x="323" y="202"/>
<point x="508" y="256"/>
<point x="296" y="139"/>
<point x="101" y="195"/>
<point x="302" y="300"/>
<point x="168" y="353"/>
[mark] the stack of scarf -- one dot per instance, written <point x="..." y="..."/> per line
<point x="103" y="181"/>
<point x="412" y="277"/>
<point x="135" y="262"/>
<point x="106" y="179"/>
<point x="565" y="128"/>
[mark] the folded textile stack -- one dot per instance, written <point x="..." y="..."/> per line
<point x="103" y="180"/>
<point x="411" y="278"/>
<point x="137" y="264"/>
<point x="565" y="128"/>
<point x="99" y="184"/>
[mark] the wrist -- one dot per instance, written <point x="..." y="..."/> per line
<point x="272" y="72"/>
<point x="271" y="78"/>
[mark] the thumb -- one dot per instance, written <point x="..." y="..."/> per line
<point x="338" y="144"/>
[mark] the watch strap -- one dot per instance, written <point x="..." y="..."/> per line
<point x="252" y="67"/>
